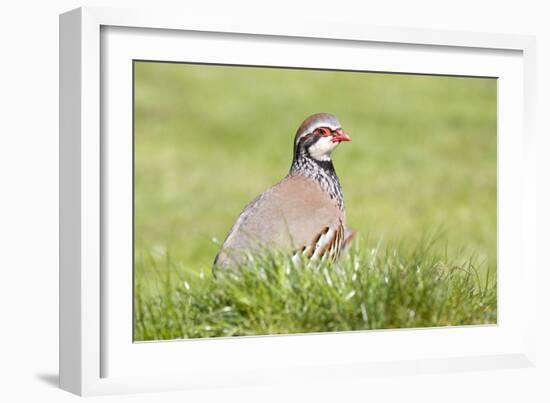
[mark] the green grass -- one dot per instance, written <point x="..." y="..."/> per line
<point x="208" y="139"/>
<point x="379" y="287"/>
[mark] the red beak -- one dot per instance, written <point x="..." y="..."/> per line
<point x="340" y="136"/>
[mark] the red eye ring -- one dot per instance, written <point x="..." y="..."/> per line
<point x="323" y="131"/>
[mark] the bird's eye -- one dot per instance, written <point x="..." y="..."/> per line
<point x="323" y="131"/>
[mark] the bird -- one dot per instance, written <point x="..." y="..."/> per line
<point x="303" y="214"/>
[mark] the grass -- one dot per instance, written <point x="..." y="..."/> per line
<point x="381" y="287"/>
<point x="208" y="139"/>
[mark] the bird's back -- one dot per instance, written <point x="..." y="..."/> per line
<point x="287" y="217"/>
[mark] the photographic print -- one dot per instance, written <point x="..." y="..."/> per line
<point x="272" y="201"/>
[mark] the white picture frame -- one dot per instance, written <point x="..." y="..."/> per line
<point x="96" y="354"/>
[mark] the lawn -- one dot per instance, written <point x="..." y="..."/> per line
<point x="423" y="157"/>
<point x="383" y="287"/>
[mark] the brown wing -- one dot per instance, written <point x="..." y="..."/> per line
<point x="292" y="215"/>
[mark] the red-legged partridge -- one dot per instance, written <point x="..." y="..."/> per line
<point x="304" y="213"/>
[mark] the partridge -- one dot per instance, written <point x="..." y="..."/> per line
<point x="304" y="213"/>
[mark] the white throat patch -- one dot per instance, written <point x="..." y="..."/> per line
<point x="322" y="149"/>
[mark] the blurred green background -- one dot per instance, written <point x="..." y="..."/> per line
<point x="208" y="139"/>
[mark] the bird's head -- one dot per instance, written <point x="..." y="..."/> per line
<point x="318" y="136"/>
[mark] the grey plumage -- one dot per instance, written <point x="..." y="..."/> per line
<point x="304" y="213"/>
